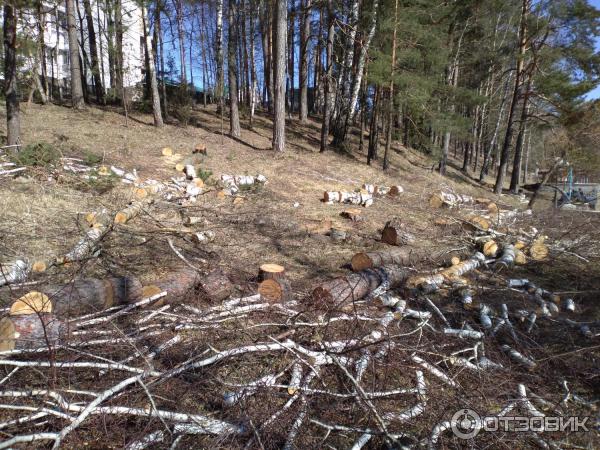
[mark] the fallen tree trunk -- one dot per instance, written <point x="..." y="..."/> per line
<point x="214" y="286"/>
<point x="22" y="332"/>
<point x="432" y="282"/>
<point x="90" y="294"/>
<point x="404" y="256"/>
<point x="86" y="245"/>
<point x="394" y="233"/>
<point x="342" y="290"/>
<point x="133" y="210"/>
<point x="356" y="198"/>
<point x="441" y="198"/>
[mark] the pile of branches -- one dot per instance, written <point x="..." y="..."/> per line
<point x="389" y="364"/>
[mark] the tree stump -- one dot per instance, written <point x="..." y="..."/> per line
<point x="167" y="151"/>
<point x="275" y="290"/>
<point x="337" y="235"/>
<point x="394" y="233"/>
<point x="200" y="148"/>
<point x="22" y="332"/>
<point x="270" y="272"/>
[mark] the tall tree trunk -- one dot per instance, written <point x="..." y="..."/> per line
<point x="527" y="150"/>
<point x="181" y="38"/>
<point x="504" y="156"/>
<point x="344" y="89"/>
<point x="253" y="82"/>
<point x="317" y="98"/>
<point x="304" y="62"/>
<point x="490" y="147"/>
<point x="362" y="57"/>
<point x="390" y="112"/>
<point x="11" y="94"/>
<point x="41" y="28"/>
<point x="158" y="120"/>
<point x="77" y="100"/>
<point x="518" y="161"/>
<point x="267" y="33"/>
<point x="98" y="87"/>
<point x="219" y="53"/>
<point x="234" y="117"/>
<point x="161" y="59"/>
<point x="291" y="50"/>
<point x="119" y="65"/>
<point x="328" y="76"/>
<point x="374" y="127"/>
<point x="280" y="36"/>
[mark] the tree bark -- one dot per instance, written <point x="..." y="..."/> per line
<point x="328" y="76"/>
<point x="504" y="155"/>
<point x="158" y="120"/>
<point x="98" y="87"/>
<point x="390" y="112"/>
<point x="219" y="52"/>
<point x="11" y="94"/>
<point x="304" y="54"/>
<point x="119" y="69"/>
<point x="77" y="100"/>
<point x="518" y="161"/>
<point x="234" y="117"/>
<point x="181" y="38"/>
<point x="280" y="34"/>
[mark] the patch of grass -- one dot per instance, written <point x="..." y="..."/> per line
<point x="39" y="154"/>
<point x="91" y="159"/>
<point x="204" y="175"/>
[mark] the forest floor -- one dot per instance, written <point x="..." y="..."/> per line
<point x="286" y="222"/>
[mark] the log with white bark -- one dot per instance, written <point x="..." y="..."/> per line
<point x="395" y="233"/>
<point x="355" y="198"/>
<point x="518" y="357"/>
<point x="190" y="171"/>
<point x="15" y="272"/>
<point x="28" y="331"/>
<point x="432" y="282"/>
<point x="87" y="245"/>
<point x="12" y="171"/>
<point x="131" y="211"/>
<point x="442" y="198"/>
<point x="355" y="286"/>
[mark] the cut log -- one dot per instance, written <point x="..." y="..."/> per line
<point x="200" y="148"/>
<point x="167" y="151"/>
<point x="355" y="286"/>
<point x="95" y="217"/>
<point x="356" y="198"/>
<point x="337" y="234"/>
<point x="275" y="290"/>
<point x="479" y="222"/>
<point x="404" y="256"/>
<point x="271" y="272"/>
<point x="31" y="303"/>
<point x="441" y="198"/>
<point x="39" y="266"/>
<point x="90" y="294"/>
<point x="140" y="193"/>
<point x="31" y="331"/>
<point x="191" y="220"/>
<point x="395" y="190"/>
<point x="133" y="210"/>
<point x="14" y="273"/>
<point x="86" y="245"/>
<point x="103" y="170"/>
<point x="190" y="171"/>
<point x="204" y="237"/>
<point x="179" y="167"/>
<point x="199" y="182"/>
<point x="353" y="214"/>
<point x="432" y="282"/>
<point x="538" y="249"/>
<point x="188" y="283"/>
<point x="215" y="286"/>
<point x="490" y="249"/>
<point x="507" y="258"/>
<point x="394" y="233"/>
<point x="520" y="257"/>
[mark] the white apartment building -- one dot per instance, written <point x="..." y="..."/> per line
<point x="56" y="42"/>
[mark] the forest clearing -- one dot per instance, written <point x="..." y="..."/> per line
<point x="300" y="224"/>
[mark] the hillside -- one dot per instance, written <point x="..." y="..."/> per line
<point x="308" y="372"/>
